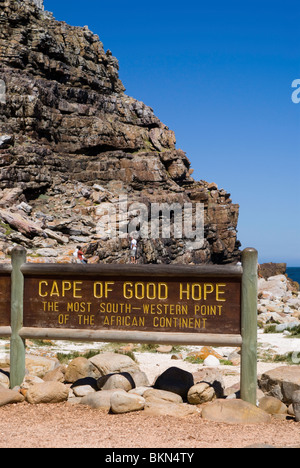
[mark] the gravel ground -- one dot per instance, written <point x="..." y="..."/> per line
<point x="67" y="426"/>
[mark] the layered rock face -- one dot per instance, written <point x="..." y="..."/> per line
<point x="71" y="140"/>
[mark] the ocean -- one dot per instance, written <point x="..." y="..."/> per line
<point x="294" y="273"/>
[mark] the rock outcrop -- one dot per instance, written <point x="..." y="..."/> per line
<point x="72" y="140"/>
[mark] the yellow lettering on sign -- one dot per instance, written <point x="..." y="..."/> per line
<point x="54" y="290"/>
<point x="50" y="306"/>
<point x="124" y="321"/>
<point x="41" y="288"/>
<point x="219" y="292"/>
<point x="208" y="310"/>
<point x="66" y="286"/>
<point x="86" y="319"/>
<point x="142" y="291"/>
<point x="208" y="289"/>
<point x="179" y="322"/>
<point x="160" y="309"/>
<point x="199" y="292"/>
<point x="79" y="306"/>
<point x="63" y="319"/>
<point x="48" y="289"/>
<point x="102" y="289"/>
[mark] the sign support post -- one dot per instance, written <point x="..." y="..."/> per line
<point x="17" y="344"/>
<point x="249" y="326"/>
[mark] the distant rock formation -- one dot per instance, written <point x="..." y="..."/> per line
<point x="67" y="128"/>
<point x="38" y="3"/>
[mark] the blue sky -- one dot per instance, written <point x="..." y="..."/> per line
<point x="219" y="74"/>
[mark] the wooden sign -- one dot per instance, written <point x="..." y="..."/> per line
<point x="168" y="304"/>
<point x="157" y="304"/>
<point x="5" y="291"/>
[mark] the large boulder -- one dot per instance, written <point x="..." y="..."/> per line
<point x="39" y="365"/>
<point x="176" y="410"/>
<point x="271" y="269"/>
<point x="79" y="368"/>
<point x="111" y="363"/>
<point x="272" y="405"/>
<point x="281" y="383"/>
<point x="175" y="380"/>
<point x="47" y="392"/>
<point x="234" y="412"/>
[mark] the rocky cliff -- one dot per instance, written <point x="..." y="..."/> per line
<point x="71" y="140"/>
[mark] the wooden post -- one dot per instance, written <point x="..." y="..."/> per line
<point x="17" y="344"/>
<point x="249" y="326"/>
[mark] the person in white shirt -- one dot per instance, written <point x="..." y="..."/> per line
<point x="133" y="250"/>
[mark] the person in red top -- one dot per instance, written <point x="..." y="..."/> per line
<point x="79" y="255"/>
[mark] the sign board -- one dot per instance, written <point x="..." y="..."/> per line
<point x="177" y="304"/>
<point x="205" y="304"/>
<point x="5" y="292"/>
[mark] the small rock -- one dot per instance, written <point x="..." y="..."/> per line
<point x="47" y="252"/>
<point x="140" y="379"/>
<point x="83" y="390"/>
<point x="86" y="381"/>
<point x="122" y="381"/>
<point x="99" y="400"/>
<point x="139" y="390"/>
<point x="213" y="376"/>
<point x="4" y="379"/>
<point x="6" y="140"/>
<point x="57" y="375"/>
<point x="211" y="361"/>
<point x="164" y="349"/>
<point x="8" y="397"/>
<point x="30" y="380"/>
<point x="201" y="393"/>
<point x="162" y="396"/>
<point x="122" y="402"/>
